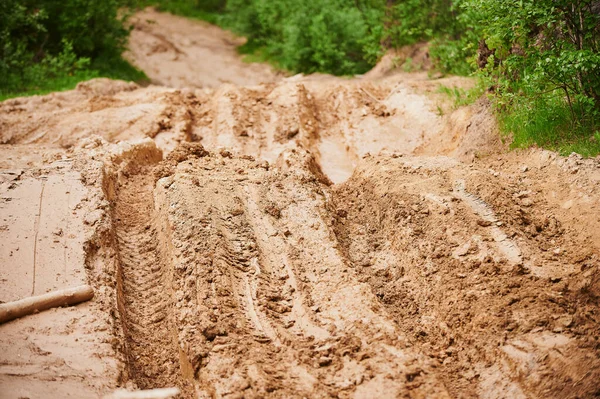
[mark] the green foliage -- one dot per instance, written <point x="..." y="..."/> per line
<point x="19" y="30"/>
<point x="547" y="122"/>
<point x="49" y="45"/>
<point x="539" y="59"/>
<point x="92" y="27"/>
<point x="544" y="47"/>
<point x="442" y="23"/>
<point x="411" y="21"/>
<point x="543" y="63"/>
<point x="313" y="35"/>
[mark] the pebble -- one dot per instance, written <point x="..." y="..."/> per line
<point x="324" y="361"/>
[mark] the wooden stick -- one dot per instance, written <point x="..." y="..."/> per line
<point x="159" y="393"/>
<point x="70" y="296"/>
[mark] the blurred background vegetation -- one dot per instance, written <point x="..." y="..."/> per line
<point x="48" y="45"/>
<point x="538" y="60"/>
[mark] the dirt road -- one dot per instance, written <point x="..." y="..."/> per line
<point x="266" y="236"/>
<point x="180" y="53"/>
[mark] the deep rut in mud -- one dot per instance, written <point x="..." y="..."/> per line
<point x="144" y="286"/>
<point x="226" y="286"/>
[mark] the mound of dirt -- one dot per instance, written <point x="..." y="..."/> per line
<point x="343" y="120"/>
<point x="477" y="273"/>
<point x="469" y="132"/>
<point x="114" y="110"/>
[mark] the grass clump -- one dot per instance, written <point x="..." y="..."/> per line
<point x="461" y="97"/>
<point x="548" y="122"/>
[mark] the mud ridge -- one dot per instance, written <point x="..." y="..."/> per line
<point x="222" y="291"/>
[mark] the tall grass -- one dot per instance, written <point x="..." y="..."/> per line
<point x="548" y="123"/>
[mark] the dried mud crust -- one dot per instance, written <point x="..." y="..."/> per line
<point x="49" y="217"/>
<point x="498" y="293"/>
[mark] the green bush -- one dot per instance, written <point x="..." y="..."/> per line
<point x="543" y="65"/>
<point x="331" y="36"/>
<point x="19" y="30"/>
<point x="46" y="44"/>
<point x="544" y="47"/>
<point x="92" y="27"/>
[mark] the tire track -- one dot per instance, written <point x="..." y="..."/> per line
<point x="151" y="349"/>
<point x="259" y="274"/>
<point x="238" y="306"/>
<point x="237" y="258"/>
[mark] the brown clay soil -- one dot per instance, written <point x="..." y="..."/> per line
<point x="252" y="235"/>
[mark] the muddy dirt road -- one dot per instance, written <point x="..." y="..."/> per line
<point x="254" y="235"/>
<point x="180" y="53"/>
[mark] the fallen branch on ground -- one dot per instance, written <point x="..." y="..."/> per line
<point x="70" y="296"/>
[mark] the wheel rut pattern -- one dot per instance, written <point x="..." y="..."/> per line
<point x="151" y="349"/>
